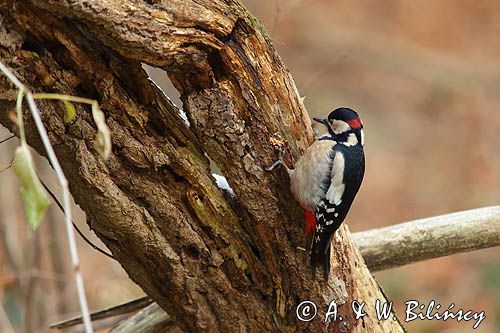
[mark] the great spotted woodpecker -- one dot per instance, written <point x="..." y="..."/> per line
<point x="326" y="179"/>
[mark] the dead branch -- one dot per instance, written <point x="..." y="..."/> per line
<point x="429" y="238"/>
<point x="151" y="319"/>
<point x="113" y="311"/>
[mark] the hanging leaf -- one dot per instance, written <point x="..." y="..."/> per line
<point x="70" y="115"/>
<point x="35" y="198"/>
<point x="103" y="137"/>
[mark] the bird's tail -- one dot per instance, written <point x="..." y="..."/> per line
<point x="321" y="248"/>
<point x="320" y="255"/>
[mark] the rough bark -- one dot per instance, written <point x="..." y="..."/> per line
<point x="213" y="262"/>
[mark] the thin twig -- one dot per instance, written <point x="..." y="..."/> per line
<point x="11" y="76"/>
<point x="65" y="194"/>
<point x="66" y="98"/>
<point x="31" y="314"/>
<point x="19" y="108"/>
<point x="103" y="133"/>
<point x="88" y="241"/>
<point x="319" y="72"/>
<point x="8" y="166"/>
<point x="113" y="311"/>
<point x="7" y="139"/>
<point x="67" y="210"/>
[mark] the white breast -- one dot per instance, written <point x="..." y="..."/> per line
<point x="309" y="173"/>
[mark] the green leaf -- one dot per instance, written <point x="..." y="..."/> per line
<point x="70" y="115"/>
<point x="35" y="198"/>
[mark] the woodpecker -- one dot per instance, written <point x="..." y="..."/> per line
<point x="326" y="178"/>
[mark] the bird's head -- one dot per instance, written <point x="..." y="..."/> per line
<point x="342" y="121"/>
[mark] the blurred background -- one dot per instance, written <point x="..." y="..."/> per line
<point x="425" y="77"/>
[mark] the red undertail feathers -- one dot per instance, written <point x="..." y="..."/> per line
<point x="310" y="222"/>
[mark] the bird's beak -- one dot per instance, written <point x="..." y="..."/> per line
<point x="323" y="121"/>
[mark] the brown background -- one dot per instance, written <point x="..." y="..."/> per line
<point x="425" y="77"/>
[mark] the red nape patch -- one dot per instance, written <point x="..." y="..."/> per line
<point x="355" y="123"/>
<point x="310" y="222"/>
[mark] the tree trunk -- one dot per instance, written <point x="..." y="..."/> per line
<point x="214" y="262"/>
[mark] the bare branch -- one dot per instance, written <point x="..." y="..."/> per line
<point x="117" y="310"/>
<point x="429" y="238"/>
<point x="7" y="139"/>
<point x="151" y="319"/>
<point x="8" y="166"/>
<point x="88" y="241"/>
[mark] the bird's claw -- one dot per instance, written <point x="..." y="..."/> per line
<point x="281" y="160"/>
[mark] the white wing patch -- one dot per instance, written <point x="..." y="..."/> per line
<point x="337" y="187"/>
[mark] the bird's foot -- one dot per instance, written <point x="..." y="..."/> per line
<point x="281" y="160"/>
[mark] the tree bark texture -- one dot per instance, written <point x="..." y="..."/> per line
<point x="212" y="261"/>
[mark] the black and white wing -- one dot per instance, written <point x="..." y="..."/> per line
<point x="330" y="213"/>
